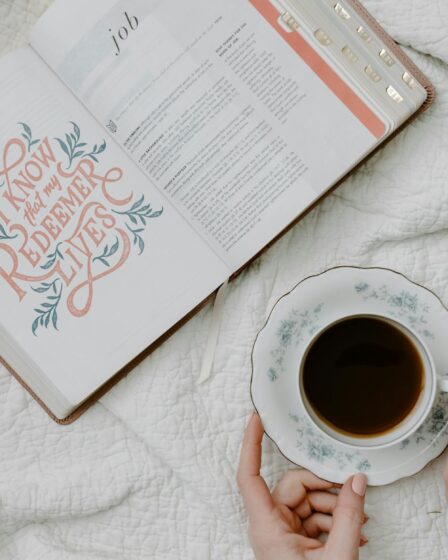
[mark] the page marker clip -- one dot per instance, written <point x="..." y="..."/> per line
<point x="290" y="21"/>
<point x="409" y="80"/>
<point x="323" y="37"/>
<point x="339" y="9"/>
<point x="393" y="94"/>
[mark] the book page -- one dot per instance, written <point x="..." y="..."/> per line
<point x="94" y="263"/>
<point x="235" y="118"/>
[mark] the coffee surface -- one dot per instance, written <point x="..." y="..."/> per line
<point x="363" y="376"/>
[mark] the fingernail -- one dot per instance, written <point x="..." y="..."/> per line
<point x="364" y="540"/>
<point x="366" y="518"/>
<point x="359" y="485"/>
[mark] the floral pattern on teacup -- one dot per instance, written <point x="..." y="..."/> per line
<point x="436" y="424"/>
<point x="292" y="330"/>
<point x="403" y="305"/>
<point x="319" y="449"/>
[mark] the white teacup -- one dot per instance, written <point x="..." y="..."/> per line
<point x="433" y="382"/>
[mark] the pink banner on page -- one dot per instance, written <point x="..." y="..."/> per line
<point x="306" y="52"/>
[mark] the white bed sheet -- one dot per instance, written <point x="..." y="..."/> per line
<point x="149" y="472"/>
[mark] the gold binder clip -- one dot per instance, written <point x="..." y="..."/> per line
<point x="338" y="8"/>
<point x="393" y="94"/>
<point x="323" y="37"/>
<point x="290" y="21"/>
<point x="386" y="58"/>
<point x="365" y="36"/>
<point x="409" y="80"/>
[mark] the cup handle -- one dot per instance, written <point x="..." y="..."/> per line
<point x="443" y="383"/>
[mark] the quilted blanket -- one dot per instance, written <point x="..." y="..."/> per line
<point x="149" y="472"/>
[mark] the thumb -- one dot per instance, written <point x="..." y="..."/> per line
<point x="348" y="518"/>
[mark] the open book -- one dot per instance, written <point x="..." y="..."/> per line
<point x="150" y="149"/>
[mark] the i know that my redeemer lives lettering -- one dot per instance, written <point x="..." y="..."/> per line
<point x="65" y="223"/>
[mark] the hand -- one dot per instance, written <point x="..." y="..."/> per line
<point x="286" y="525"/>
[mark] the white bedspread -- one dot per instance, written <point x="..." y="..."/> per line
<point x="149" y="472"/>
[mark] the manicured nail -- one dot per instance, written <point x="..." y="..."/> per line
<point x="366" y="518"/>
<point x="364" y="540"/>
<point x="359" y="485"/>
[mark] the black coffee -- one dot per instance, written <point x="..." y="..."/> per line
<point x="363" y="376"/>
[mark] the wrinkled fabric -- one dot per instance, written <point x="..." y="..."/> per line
<point x="149" y="472"/>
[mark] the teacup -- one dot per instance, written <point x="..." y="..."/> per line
<point x="432" y="382"/>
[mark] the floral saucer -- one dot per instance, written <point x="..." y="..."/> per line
<point x="310" y="306"/>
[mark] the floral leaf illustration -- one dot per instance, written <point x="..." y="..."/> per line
<point x="63" y="146"/>
<point x="138" y="239"/>
<point x="77" y="130"/>
<point x="54" y="318"/>
<point x="4" y="236"/>
<point x="137" y="204"/>
<point x="52" y="258"/>
<point x="26" y="128"/>
<point x="28" y="136"/>
<point x="96" y="151"/>
<point x="156" y="214"/>
<point x="47" y="312"/>
<point x="107" y="253"/>
<point x="138" y="214"/>
<point x="141" y="245"/>
<point x="75" y="149"/>
<point x="35" y="325"/>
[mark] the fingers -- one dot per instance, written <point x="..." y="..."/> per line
<point x="348" y="518"/>
<point x="317" y="524"/>
<point x="292" y="488"/>
<point x="253" y="488"/>
<point x="445" y="478"/>
<point x="323" y="502"/>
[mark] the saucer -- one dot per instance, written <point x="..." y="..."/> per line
<point x="318" y="301"/>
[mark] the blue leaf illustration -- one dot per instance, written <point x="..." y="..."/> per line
<point x="55" y="319"/>
<point x="27" y="129"/>
<point x="35" y="325"/>
<point x="52" y="258"/>
<point x="4" y="236"/>
<point x="102" y="147"/>
<point x="63" y="146"/>
<point x="107" y="253"/>
<point x="40" y="290"/>
<point x="28" y="136"/>
<point x="156" y="214"/>
<point x="141" y="245"/>
<point x="137" y="204"/>
<point x="139" y="213"/>
<point x="47" y="312"/>
<point x="76" y="129"/>
<point x="72" y="146"/>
